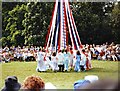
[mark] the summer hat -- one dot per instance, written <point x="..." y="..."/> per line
<point x="91" y="78"/>
<point x="80" y="84"/>
<point x="11" y="84"/>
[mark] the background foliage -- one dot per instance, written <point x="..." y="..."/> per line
<point x="26" y="23"/>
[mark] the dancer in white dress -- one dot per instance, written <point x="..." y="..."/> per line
<point x="54" y="63"/>
<point x="40" y="61"/>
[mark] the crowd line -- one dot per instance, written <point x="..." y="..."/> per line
<point x="64" y="59"/>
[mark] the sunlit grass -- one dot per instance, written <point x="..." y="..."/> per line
<point x="103" y="69"/>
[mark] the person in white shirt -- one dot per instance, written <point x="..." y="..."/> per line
<point x="24" y="55"/>
<point x="60" y="57"/>
<point x="83" y="61"/>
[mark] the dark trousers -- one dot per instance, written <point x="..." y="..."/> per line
<point x="82" y="67"/>
<point x="30" y="58"/>
<point x="61" y="67"/>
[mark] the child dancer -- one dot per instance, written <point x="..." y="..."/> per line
<point x="40" y="61"/>
<point x="77" y="63"/>
<point x="71" y="58"/>
<point x="83" y="61"/>
<point x="54" y="60"/>
<point x="60" y="57"/>
<point x="66" y="61"/>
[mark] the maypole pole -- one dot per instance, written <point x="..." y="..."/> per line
<point x="62" y="24"/>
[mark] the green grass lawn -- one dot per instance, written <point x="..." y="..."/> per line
<point x="103" y="69"/>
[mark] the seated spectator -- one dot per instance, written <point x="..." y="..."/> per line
<point x="11" y="84"/>
<point x="84" y="82"/>
<point x="114" y="58"/>
<point x="0" y="58"/>
<point x="118" y="57"/>
<point x="104" y="85"/>
<point x="49" y="85"/>
<point x="33" y="83"/>
<point x="99" y="57"/>
<point x="80" y="83"/>
<point x="7" y="58"/>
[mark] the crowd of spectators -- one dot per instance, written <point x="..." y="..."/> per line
<point x="18" y="53"/>
<point x="105" y="52"/>
<point x="98" y="52"/>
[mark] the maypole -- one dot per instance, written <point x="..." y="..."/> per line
<point x="62" y="24"/>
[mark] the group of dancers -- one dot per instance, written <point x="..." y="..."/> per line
<point x="64" y="60"/>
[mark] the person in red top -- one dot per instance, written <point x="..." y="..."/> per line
<point x="87" y="61"/>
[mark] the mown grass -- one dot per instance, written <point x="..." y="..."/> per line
<point x="103" y="69"/>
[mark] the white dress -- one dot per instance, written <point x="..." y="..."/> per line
<point x="40" y="62"/>
<point x="48" y="61"/>
<point x="54" y="63"/>
<point x="83" y="60"/>
<point x="71" y="59"/>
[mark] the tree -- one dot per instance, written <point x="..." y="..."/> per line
<point x="36" y="22"/>
<point x="13" y="14"/>
<point x="115" y="22"/>
<point x="93" y="25"/>
<point x="15" y="24"/>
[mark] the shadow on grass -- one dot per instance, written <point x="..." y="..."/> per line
<point x="88" y="71"/>
<point x="95" y="70"/>
<point x="72" y="71"/>
<point x="101" y="70"/>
